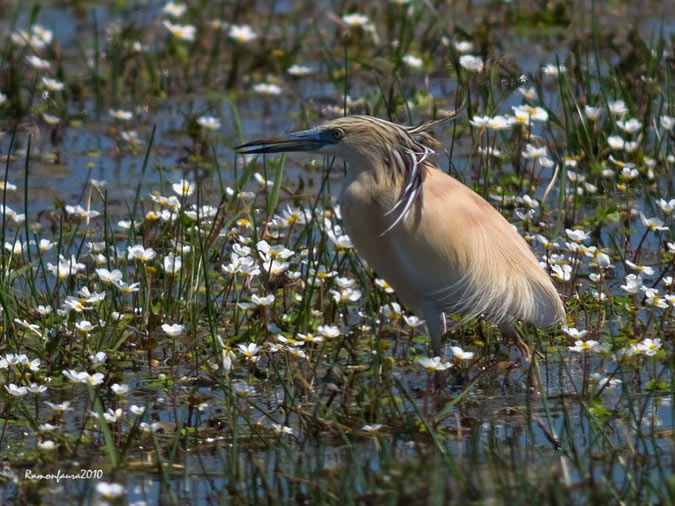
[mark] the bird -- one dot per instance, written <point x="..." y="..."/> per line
<point x="443" y="248"/>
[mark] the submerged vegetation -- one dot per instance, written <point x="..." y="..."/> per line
<point x="182" y="324"/>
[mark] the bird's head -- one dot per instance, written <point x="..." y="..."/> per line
<point x="350" y="138"/>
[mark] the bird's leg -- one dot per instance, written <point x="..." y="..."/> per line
<point x="510" y="333"/>
<point x="436" y="324"/>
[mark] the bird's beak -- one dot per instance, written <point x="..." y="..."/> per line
<point x="306" y="140"/>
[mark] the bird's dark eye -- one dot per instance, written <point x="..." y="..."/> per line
<point x="338" y="133"/>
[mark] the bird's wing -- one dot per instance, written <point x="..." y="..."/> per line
<point x="468" y="259"/>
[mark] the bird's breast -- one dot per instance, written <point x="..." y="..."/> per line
<point x="364" y="206"/>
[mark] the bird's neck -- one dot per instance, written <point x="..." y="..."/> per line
<point x="373" y="171"/>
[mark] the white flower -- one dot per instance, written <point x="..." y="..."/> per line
<point x="36" y="389"/>
<point x="584" y="346"/>
<point x="471" y="63"/>
<point x="553" y="70"/>
<point x="45" y="36"/>
<point x="173" y="330"/>
<point x="546" y="243"/>
<point x="666" y="206"/>
<point x="434" y="364"/>
<point x="329" y="330"/>
<point x="392" y="311"/>
<point x="562" y="272"/>
<point x="183" y="188"/>
<point x="120" y="114"/>
<point x="138" y="252"/>
<point x="172" y="264"/>
<point x="525" y="114"/>
<point x="99" y="358"/>
<point x="603" y="260"/>
<point x="617" y="107"/>
<point x="299" y="70"/>
<point x="479" y="121"/>
<point x="413" y="61"/>
<point x="131" y="136"/>
<point x="249" y="350"/>
<point x="275" y="267"/>
<point x="413" y="321"/>
<point x="615" y="142"/>
<point x="372" y="428"/>
<point x="268" y="252"/>
<point x="628" y="173"/>
<point x="529" y="93"/>
<point x="149" y="427"/>
<point x="137" y="410"/>
<point x="267" y="89"/>
<point x="81" y="212"/>
<point x="382" y="284"/>
<point x="463" y="46"/>
<point x="459" y="353"/>
<point x="47" y="445"/>
<point x="652" y="298"/>
<point x="652" y="224"/>
<point x="85" y="326"/>
<point x="108" y="277"/>
<point x="631" y="126"/>
<point x="83" y="377"/>
<point x="94" y="379"/>
<point x="120" y="389"/>
<point x="262" y="301"/>
<point x="650" y="346"/>
<point x="633" y="284"/>
<point x="281" y="429"/>
<point x="45" y="245"/>
<point x="110" y="490"/>
<point x="52" y="84"/>
<point x="38" y="63"/>
<point x="577" y="235"/>
<point x="546" y="162"/>
<point x="500" y="122"/>
<point x="592" y="113"/>
<point x="642" y="269"/>
<point x="16" y="248"/>
<point x="346" y="295"/>
<point x="534" y="153"/>
<point x="209" y="122"/>
<point x="345" y="282"/>
<point x="12" y="215"/>
<point x="16" y="391"/>
<point x="574" y="333"/>
<point x="574" y="177"/>
<point x="310" y="338"/>
<point x="241" y="33"/>
<point x="605" y="382"/>
<point x="44" y="310"/>
<point x="64" y="406"/>
<point x="590" y="188"/>
<point x="174" y="9"/>
<point x="356" y="20"/>
<point x="667" y="122"/>
<point x="66" y="267"/>
<point x="183" y="32"/>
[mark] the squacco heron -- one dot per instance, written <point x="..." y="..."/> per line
<point x="441" y="246"/>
